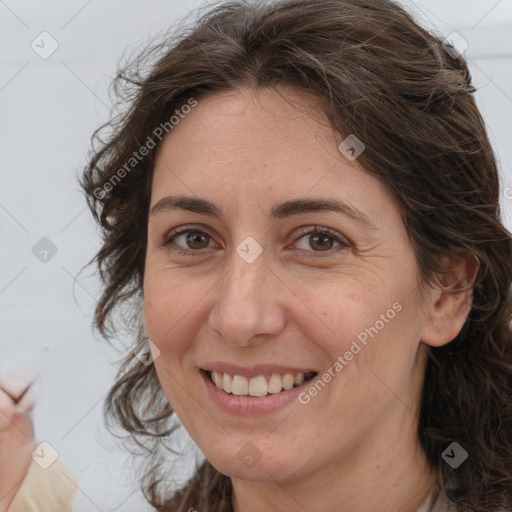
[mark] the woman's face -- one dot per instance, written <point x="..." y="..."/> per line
<point x="248" y="291"/>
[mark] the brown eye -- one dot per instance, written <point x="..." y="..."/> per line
<point x="190" y="241"/>
<point x="195" y="239"/>
<point x="187" y="240"/>
<point x="322" y="240"/>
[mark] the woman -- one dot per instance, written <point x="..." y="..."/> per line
<point x="300" y="211"/>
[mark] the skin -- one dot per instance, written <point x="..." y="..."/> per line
<point x="16" y="439"/>
<point x="245" y="151"/>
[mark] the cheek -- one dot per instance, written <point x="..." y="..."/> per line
<point x="162" y="315"/>
<point x="371" y="326"/>
<point x="156" y="301"/>
<point x="164" y="306"/>
<point x="174" y="313"/>
<point x="335" y="316"/>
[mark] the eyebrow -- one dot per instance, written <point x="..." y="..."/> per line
<point x="278" y="211"/>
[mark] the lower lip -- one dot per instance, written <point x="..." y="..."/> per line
<point x="251" y="405"/>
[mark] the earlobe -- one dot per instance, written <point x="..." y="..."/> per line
<point x="447" y="306"/>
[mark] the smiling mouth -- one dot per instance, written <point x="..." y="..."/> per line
<point x="259" y="386"/>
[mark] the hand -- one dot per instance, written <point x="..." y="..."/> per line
<point x="16" y="438"/>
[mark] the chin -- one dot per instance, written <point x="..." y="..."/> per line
<point x="259" y="473"/>
<point x="249" y="463"/>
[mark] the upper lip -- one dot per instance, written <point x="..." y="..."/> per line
<point x="256" y="370"/>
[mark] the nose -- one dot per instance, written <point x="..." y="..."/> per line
<point x="248" y="308"/>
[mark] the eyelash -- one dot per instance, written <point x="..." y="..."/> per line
<point x="344" y="244"/>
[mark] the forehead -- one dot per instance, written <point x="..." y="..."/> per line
<point x="256" y="145"/>
<point x="241" y="121"/>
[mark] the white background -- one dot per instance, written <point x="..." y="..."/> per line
<point x="49" y="109"/>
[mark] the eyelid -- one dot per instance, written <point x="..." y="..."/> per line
<point x="184" y="229"/>
<point x="302" y="231"/>
<point x="307" y="230"/>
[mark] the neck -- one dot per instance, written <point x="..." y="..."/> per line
<point x="382" y="489"/>
<point x="387" y="471"/>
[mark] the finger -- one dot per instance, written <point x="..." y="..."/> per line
<point x="7" y="411"/>
<point x="25" y="403"/>
<point x="6" y="403"/>
<point x="12" y="405"/>
<point x="16" y="419"/>
<point x="16" y="387"/>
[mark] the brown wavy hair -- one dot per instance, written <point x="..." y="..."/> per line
<point x="383" y="77"/>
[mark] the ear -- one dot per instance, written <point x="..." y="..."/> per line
<point x="447" y="306"/>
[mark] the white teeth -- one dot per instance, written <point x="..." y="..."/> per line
<point x="226" y="382"/>
<point x="240" y="385"/>
<point x="299" y="379"/>
<point x="256" y="386"/>
<point x="288" y="381"/>
<point x="217" y="379"/>
<point x="274" y="384"/>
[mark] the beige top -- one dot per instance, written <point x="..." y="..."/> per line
<point x="52" y="489"/>
<point x="435" y="501"/>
